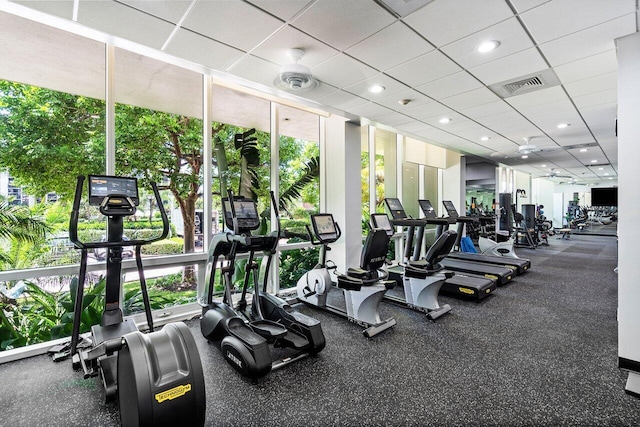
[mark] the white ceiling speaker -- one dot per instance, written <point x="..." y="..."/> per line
<point x="295" y="76"/>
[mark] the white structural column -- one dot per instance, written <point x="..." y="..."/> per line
<point x="110" y="113"/>
<point x="207" y="160"/>
<point x="273" y="285"/>
<point x="340" y="167"/>
<point x="453" y="181"/>
<point x="629" y="209"/>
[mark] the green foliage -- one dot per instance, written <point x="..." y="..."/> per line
<point x="164" y="247"/>
<point x="294" y="263"/>
<point x="45" y="132"/>
<point x="40" y="316"/>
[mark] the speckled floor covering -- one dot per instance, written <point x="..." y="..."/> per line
<point x="542" y="351"/>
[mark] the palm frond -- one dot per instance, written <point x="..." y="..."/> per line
<point x="291" y="194"/>
<point x="17" y="222"/>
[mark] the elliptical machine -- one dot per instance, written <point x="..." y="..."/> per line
<point x="363" y="287"/>
<point x="157" y="377"/>
<point x="243" y="336"/>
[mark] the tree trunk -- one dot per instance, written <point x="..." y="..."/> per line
<point x="188" y="211"/>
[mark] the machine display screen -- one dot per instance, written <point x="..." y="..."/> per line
<point x="101" y="186"/>
<point x="427" y="208"/>
<point x="381" y="221"/>
<point x="395" y="208"/>
<point x="246" y="213"/>
<point x="451" y="210"/>
<point x="324" y="225"/>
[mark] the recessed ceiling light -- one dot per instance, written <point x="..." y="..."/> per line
<point x="487" y="46"/>
<point x="594" y="161"/>
<point x="606" y="174"/>
<point x="563" y="125"/>
<point x="543" y="166"/>
<point x="600" y="169"/>
<point x="524" y="156"/>
<point x="610" y="177"/>
<point x="376" y="88"/>
<point x="583" y="150"/>
<point x="444" y="120"/>
<point x="485" y="138"/>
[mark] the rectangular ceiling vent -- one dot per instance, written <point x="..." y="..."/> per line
<point x="525" y="84"/>
<point x="576" y="146"/>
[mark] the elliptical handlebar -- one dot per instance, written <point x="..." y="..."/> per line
<point x="75" y="214"/>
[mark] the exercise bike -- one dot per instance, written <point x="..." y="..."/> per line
<point x="363" y="287"/>
<point x="244" y="336"/>
<point x="422" y="279"/>
<point x="157" y="377"/>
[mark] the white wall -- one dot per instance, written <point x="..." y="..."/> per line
<point x="542" y="194"/>
<point x="453" y="183"/>
<point x="629" y="207"/>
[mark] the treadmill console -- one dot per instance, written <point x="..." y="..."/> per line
<point x="246" y="213"/>
<point x="395" y="208"/>
<point x="427" y="208"/>
<point x="451" y="210"/>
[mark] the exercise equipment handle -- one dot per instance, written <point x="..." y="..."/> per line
<point x="75" y="213"/>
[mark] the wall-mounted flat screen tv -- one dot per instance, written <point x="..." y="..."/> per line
<point x="604" y="196"/>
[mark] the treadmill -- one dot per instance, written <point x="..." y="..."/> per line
<point x="520" y="265"/>
<point x="501" y="274"/>
<point x="461" y="285"/>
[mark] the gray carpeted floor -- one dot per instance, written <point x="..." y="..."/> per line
<point x="541" y="351"/>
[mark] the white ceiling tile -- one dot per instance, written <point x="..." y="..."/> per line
<point x="593" y="84"/>
<point x="283" y="9"/>
<point x="393" y="101"/>
<point x="170" y="10"/>
<point x="237" y="24"/>
<point x="391" y="86"/>
<point x="256" y="70"/>
<point x="342" y="70"/>
<point x="413" y="126"/>
<point x="538" y="97"/>
<point x="524" y="5"/>
<point x="557" y="19"/>
<point x="596" y="98"/>
<point x="560" y="109"/>
<point x="122" y="21"/>
<point x="393" y="119"/>
<point x="469" y="99"/>
<point x="488" y="109"/>
<point x="342" y="100"/>
<point x="61" y="8"/>
<point x="426" y="111"/>
<point x="510" y="67"/>
<point x="381" y="50"/>
<point x="203" y="50"/>
<point x="588" y="42"/>
<point x="450" y="85"/>
<point x="601" y="63"/>
<point x="370" y="110"/>
<point x="275" y="49"/>
<point x="343" y="23"/>
<point x="509" y="33"/>
<point x="424" y="69"/>
<point x="443" y="22"/>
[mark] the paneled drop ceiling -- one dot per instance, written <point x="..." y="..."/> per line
<point x="421" y="51"/>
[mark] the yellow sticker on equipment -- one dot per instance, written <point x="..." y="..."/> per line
<point x="173" y="393"/>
